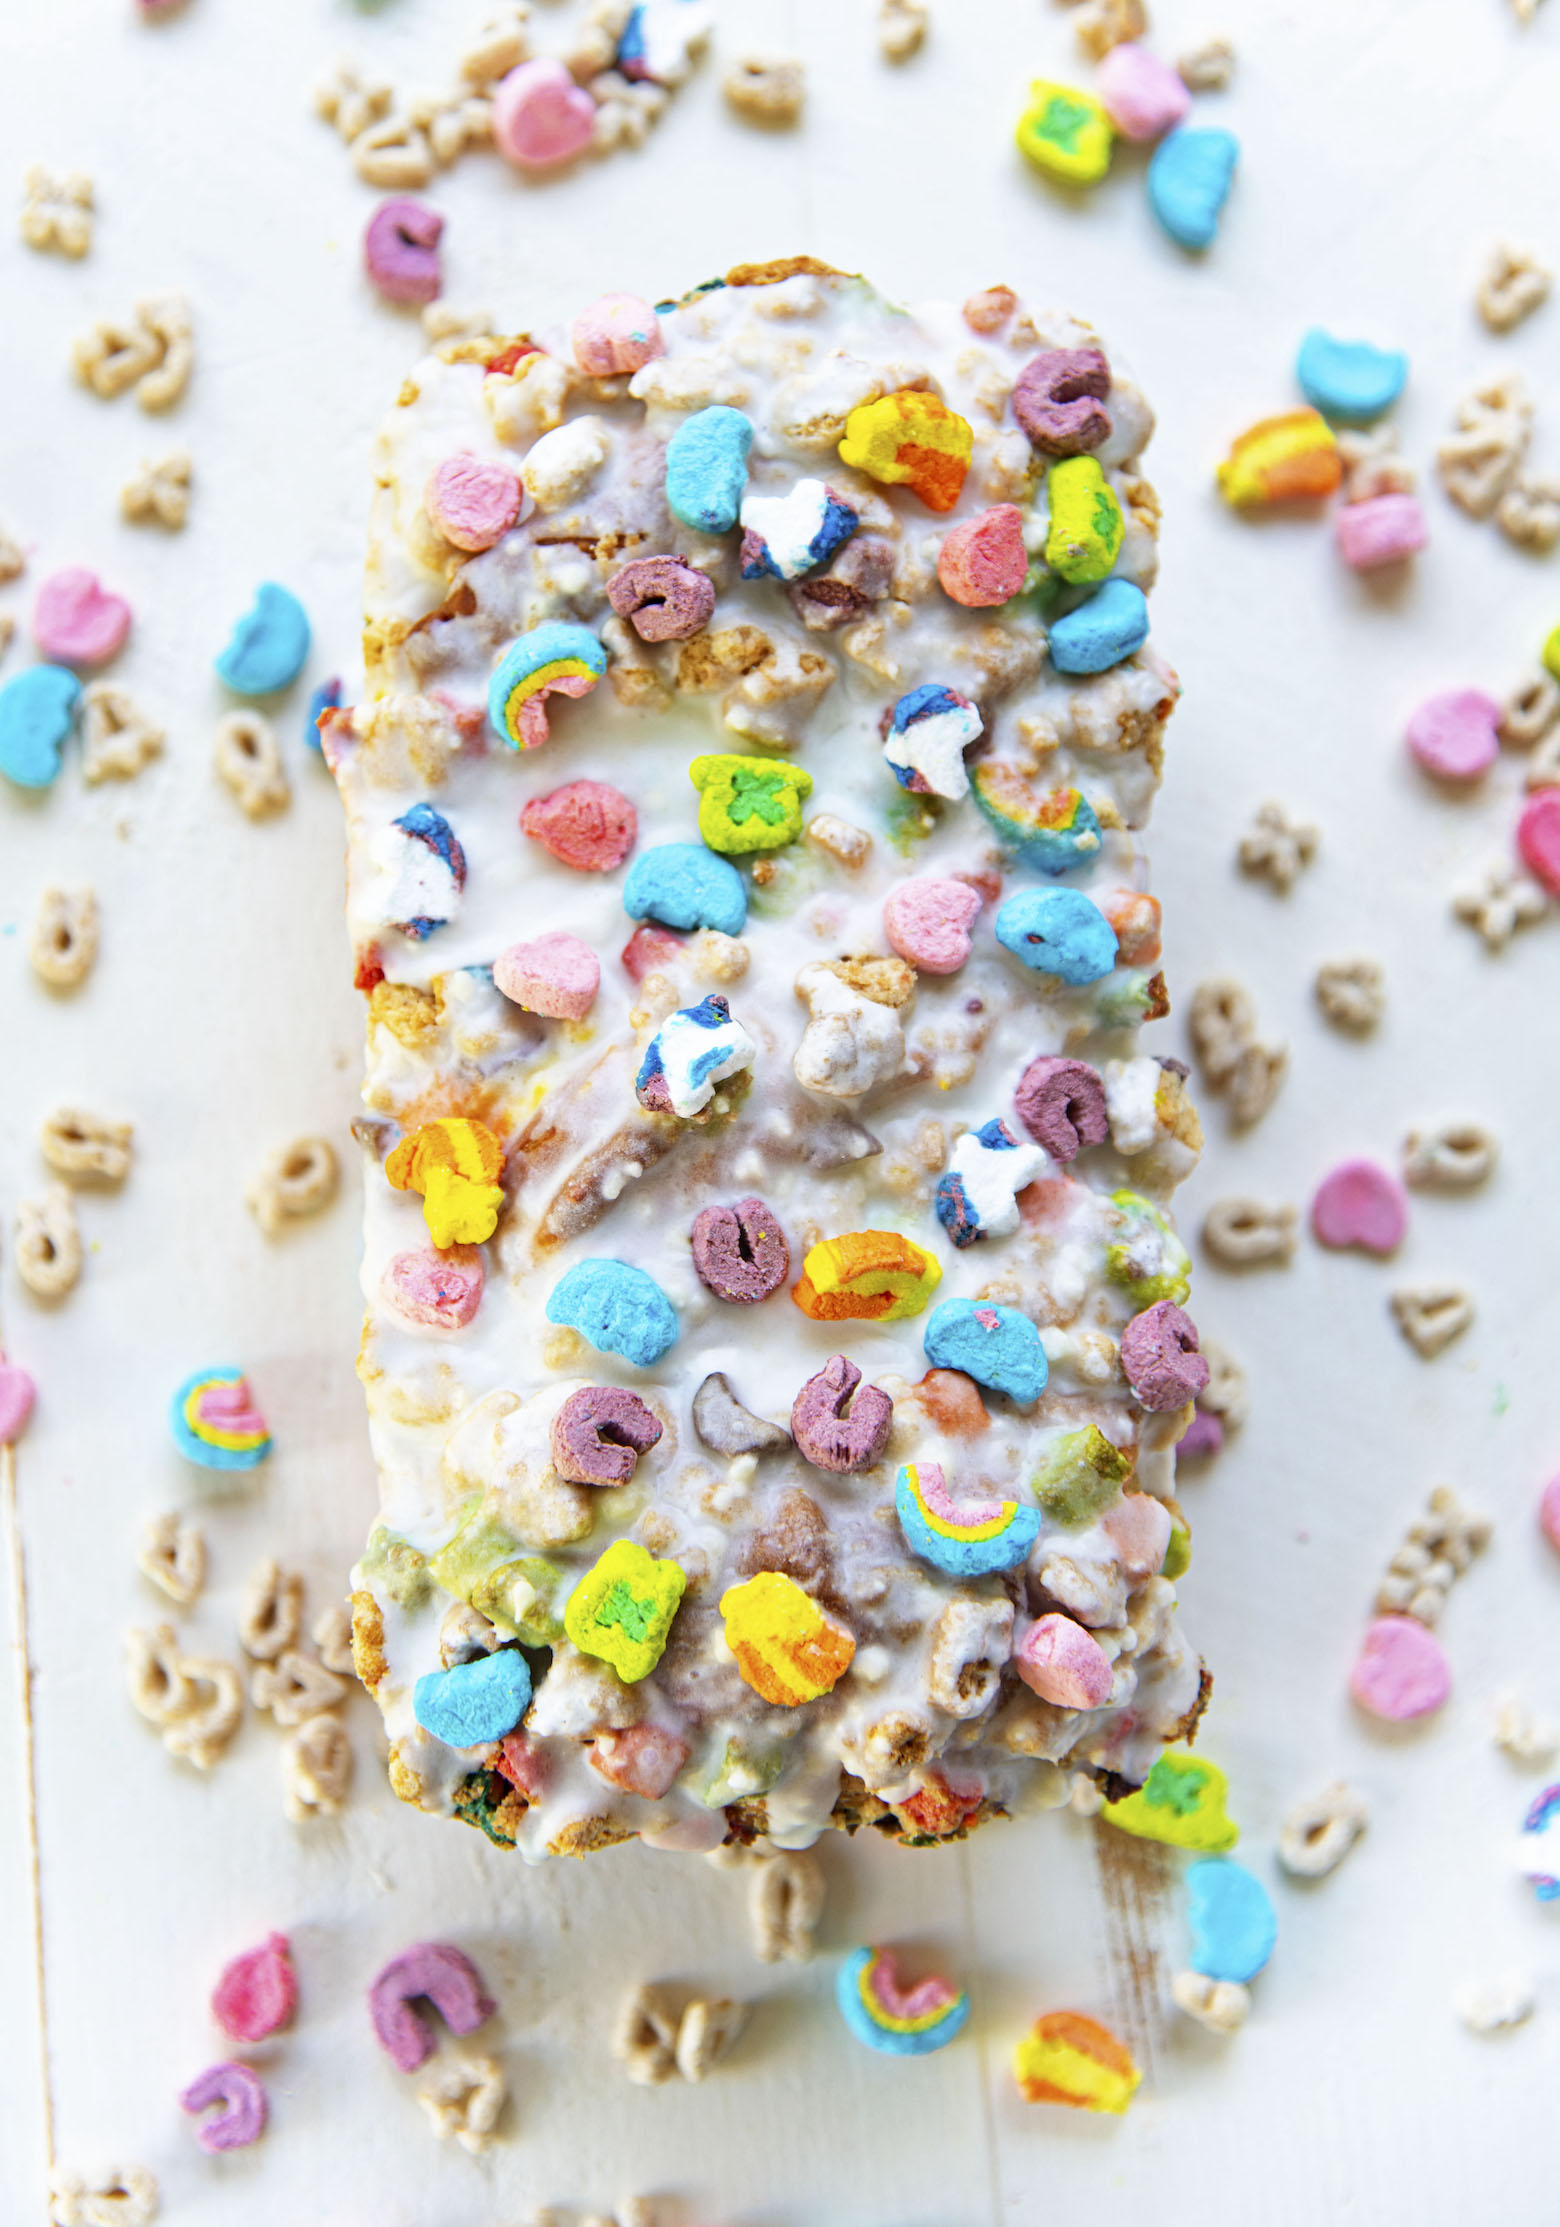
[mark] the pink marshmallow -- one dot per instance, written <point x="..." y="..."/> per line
<point x="1549" y="1512"/>
<point x="928" y="922"/>
<point x="644" y="1760"/>
<point x="1402" y="1670"/>
<point x="1538" y="838"/>
<point x="76" y="621"/>
<point x="1139" y="1528"/>
<point x="984" y="561"/>
<point x="540" y="116"/>
<point x="1360" y="1204"/>
<point x="1064" y="1664"/>
<point x="555" y="975"/>
<point x="616" y="334"/>
<point x="17" y="1394"/>
<point x="1456" y="736"/>
<point x="474" y="500"/>
<point x="1381" y="530"/>
<point x="1142" y="96"/>
<point x="438" y="1291"/>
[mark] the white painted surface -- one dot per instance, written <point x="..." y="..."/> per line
<point x="1384" y="145"/>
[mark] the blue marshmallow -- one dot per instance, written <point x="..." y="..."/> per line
<point x="327" y="697"/>
<point x="1100" y="633"/>
<point x="1349" y="379"/>
<point x="1060" y="932"/>
<point x="267" y="648"/>
<point x="1233" y="1922"/>
<point x="37" y="712"/>
<point x="618" y="1308"/>
<point x="1189" y="183"/>
<point x="683" y="885"/>
<point x="706" y="468"/>
<point x="476" y="1701"/>
<point x="997" y="1346"/>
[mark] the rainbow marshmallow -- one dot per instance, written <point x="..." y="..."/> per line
<point x="968" y="1539"/>
<point x="216" y="1422"/>
<point x="554" y="656"/>
<point x="901" y="2022"/>
<point x="1539" y="1856"/>
<point x="1052" y="833"/>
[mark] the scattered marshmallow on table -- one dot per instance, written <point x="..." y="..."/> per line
<point x="401" y="251"/>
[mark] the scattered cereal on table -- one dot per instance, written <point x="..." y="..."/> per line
<point x="1277" y="847"/>
<point x="1065" y="133"/>
<point x="1101" y="25"/>
<point x="464" y="2098"/>
<point x="1529" y="514"/>
<point x="257" y="1993"/>
<point x="57" y="211"/>
<point x="1452" y="1156"/>
<point x="1529" y="1740"/>
<point x="248" y="761"/>
<point x="1512" y="285"/>
<point x="1499" y="901"/>
<point x="1208" y="67"/>
<point x="295" y="1181"/>
<point x="295" y="1688"/>
<point x="1292" y="458"/>
<point x="317" y="1765"/>
<point x="86" y="1147"/>
<point x="763" y="90"/>
<point x="154" y="353"/>
<point x="433" y="1972"/>
<point x="1401" y="1671"/>
<point x="401" y="251"/>
<point x="268" y="645"/>
<point x="160" y="493"/>
<point x="1438" y="1547"/>
<point x="63" y="944"/>
<point x="117" y="737"/>
<point x="1479" y="459"/>
<point x="121" y="2196"/>
<point x="1222" y="2006"/>
<point x="1430" y="1316"/>
<point x="1455" y="736"/>
<point x="215" y="1421"/>
<point x="1072" y="2059"/>
<point x="1143" y="96"/>
<point x="1495" y="2006"/>
<point x="48" y="1244"/>
<point x="785" y="1904"/>
<point x="901" y="28"/>
<point x="1244" y="1233"/>
<point x="1351" y="381"/>
<point x="1317" y="1834"/>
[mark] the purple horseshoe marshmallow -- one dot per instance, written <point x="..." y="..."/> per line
<point x="241" y="2116"/>
<point x="740" y="1252"/>
<point x="1160" y="1358"/>
<point x="829" y="1437"/>
<point x="1061" y="1102"/>
<point x="446" y="1978"/>
<point x="401" y="251"/>
<point x="1059" y="400"/>
<point x="599" y="1434"/>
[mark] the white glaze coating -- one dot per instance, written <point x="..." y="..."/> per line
<point x="590" y="1176"/>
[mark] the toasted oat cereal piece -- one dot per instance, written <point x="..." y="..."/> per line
<point x="154" y="353"/>
<point x="393" y="154"/>
<point x="1513" y="284"/>
<point x="172" y="1556"/>
<point x="1277" y="846"/>
<point x="464" y="2098"/>
<point x="1352" y="993"/>
<point x="1220" y="2005"/>
<point x="296" y="1688"/>
<point x="706" y="2030"/>
<point x="13" y="559"/>
<point x="349" y="102"/>
<point x="1431" y="1316"/>
<point x="270" y="1612"/>
<point x="154" y="1677"/>
<point x="765" y="91"/>
<point x="1529" y="712"/>
<point x="1100" y="25"/>
<point x="317" y="1766"/>
<point x="1494" y="2006"/>
<point x="1243" y="1233"/>
<point x="331" y="1633"/>
<point x="1529" y="514"/>
<point x="644" y="2040"/>
<point x="1498" y="901"/>
<point x="64" y="940"/>
<point x="1453" y="1156"/>
<point x="1315" y="1837"/>
<point x="57" y="211"/>
<point x="1437" y="1548"/>
<point x="1259" y="1072"/>
<point x="248" y="760"/>
<point x="159" y="495"/>
<point x="118" y="738"/>
<point x="1223" y="1022"/>
<point x="785" y="1903"/>
<point x="48" y="1244"/>
<point x="901" y="28"/>
<point x="121" y="2196"/>
<point x="1208" y="67"/>
<point x="85" y="1146"/>
<point x="1371" y="463"/>
<point x="1529" y="1740"/>
<point x="1479" y="459"/>
<point x="201" y="1730"/>
<point x="297" y="1180"/>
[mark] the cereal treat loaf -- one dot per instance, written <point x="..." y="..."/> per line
<point x="775" y="1351"/>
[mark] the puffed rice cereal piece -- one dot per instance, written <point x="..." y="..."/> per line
<point x="1317" y="1835"/>
<point x="118" y="738"/>
<point x="464" y="2098"/>
<point x="1243" y="1233"/>
<point x="48" y="1244"/>
<point x="901" y="28"/>
<point x="1352" y="993"/>
<point x="1209" y="67"/>
<point x="764" y="90"/>
<point x="86" y="1147"/>
<point x="295" y="1181"/>
<point x="248" y="760"/>
<point x="159" y="495"/>
<point x="1513" y="284"/>
<point x="317" y="1765"/>
<point x="172" y="1556"/>
<point x="785" y="1903"/>
<point x="122" y="2196"/>
<point x="270" y="1611"/>
<point x="57" y="212"/>
<point x="1277" y="846"/>
<point x="64" y="941"/>
<point x="1431" y="1316"/>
